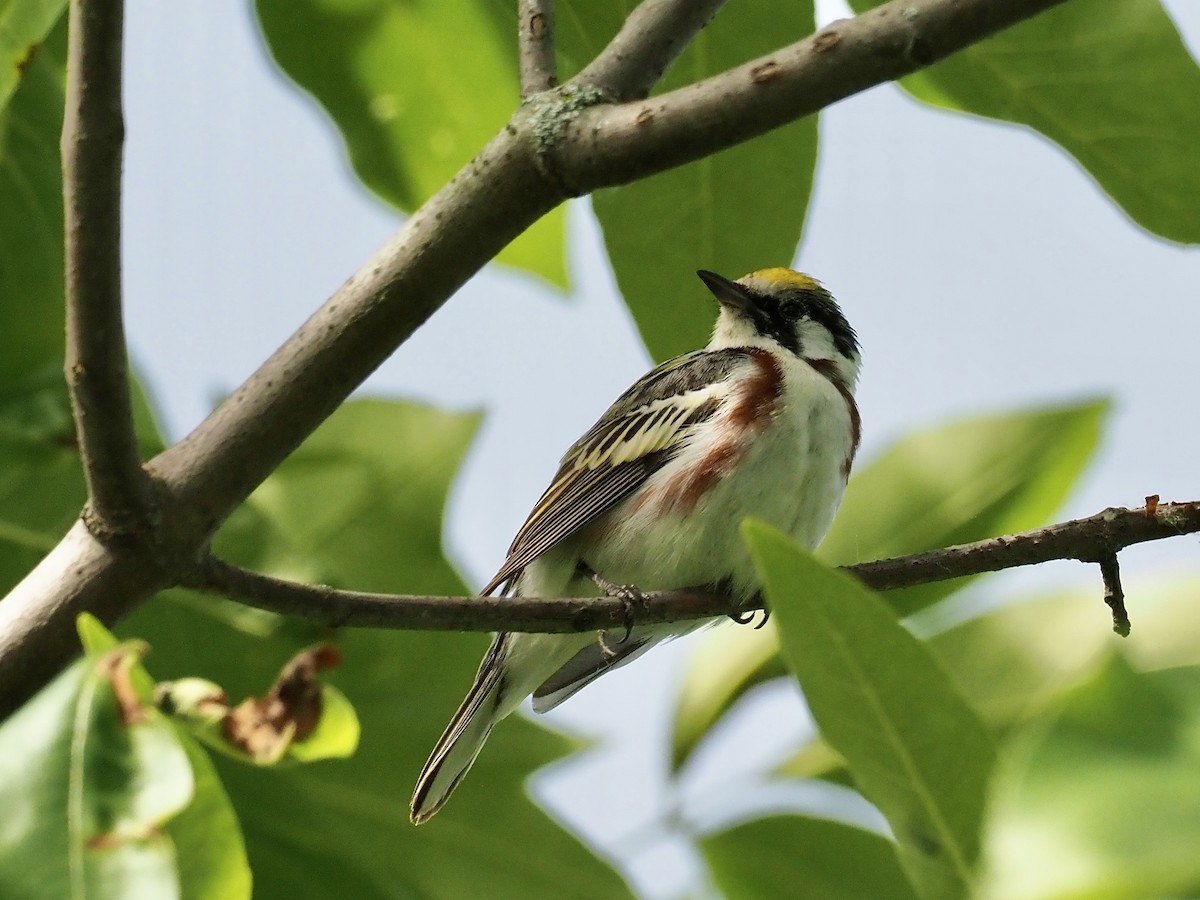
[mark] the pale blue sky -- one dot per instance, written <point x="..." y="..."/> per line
<point x="981" y="267"/>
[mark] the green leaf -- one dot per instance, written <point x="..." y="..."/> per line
<point x="1109" y="81"/>
<point x="209" y="849"/>
<point x="86" y="788"/>
<point x="31" y="215"/>
<point x="915" y="748"/>
<point x="795" y="856"/>
<point x="94" y="637"/>
<point x="734" y="212"/>
<point x="960" y="482"/>
<point x="210" y="853"/>
<point x="1017" y="661"/>
<point x="1098" y="799"/>
<point x="24" y="24"/>
<point x="41" y="478"/>
<point x="416" y="90"/>
<point x="360" y="505"/>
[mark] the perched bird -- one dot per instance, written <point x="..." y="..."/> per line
<point x="762" y="422"/>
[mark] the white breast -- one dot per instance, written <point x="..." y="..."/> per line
<point x="789" y="474"/>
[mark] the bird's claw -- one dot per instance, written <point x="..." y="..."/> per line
<point x="745" y="618"/>
<point x="631" y="598"/>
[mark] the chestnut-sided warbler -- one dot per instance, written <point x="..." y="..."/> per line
<point x="761" y="422"/>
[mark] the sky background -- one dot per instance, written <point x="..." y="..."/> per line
<point x="982" y="268"/>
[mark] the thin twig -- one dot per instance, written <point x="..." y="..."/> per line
<point x="1098" y="537"/>
<point x="535" y="33"/>
<point x="652" y="38"/>
<point x="96" y="366"/>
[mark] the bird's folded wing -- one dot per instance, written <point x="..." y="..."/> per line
<point x="638" y="435"/>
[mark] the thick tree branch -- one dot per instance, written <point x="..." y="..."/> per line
<point x="652" y="38"/>
<point x="535" y="33"/>
<point x="517" y="178"/>
<point x="1095" y="539"/>
<point x="96" y="368"/>
<point x="611" y="145"/>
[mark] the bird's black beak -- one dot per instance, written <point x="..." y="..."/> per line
<point x="728" y="293"/>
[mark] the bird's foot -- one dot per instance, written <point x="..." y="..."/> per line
<point x="631" y="597"/>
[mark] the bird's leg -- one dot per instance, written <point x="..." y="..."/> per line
<point x="629" y="595"/>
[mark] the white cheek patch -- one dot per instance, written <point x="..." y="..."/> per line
<point x="816" y="342"/>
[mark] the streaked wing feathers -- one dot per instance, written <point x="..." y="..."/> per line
<point x="638" y="434"/>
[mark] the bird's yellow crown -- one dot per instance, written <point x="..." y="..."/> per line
<point x="777" y="277"/>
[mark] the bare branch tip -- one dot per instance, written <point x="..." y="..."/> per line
<point x="1114" y="594"/>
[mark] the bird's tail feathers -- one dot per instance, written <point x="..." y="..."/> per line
<point x="463" y="738"/>
<point x="585" y="667"/>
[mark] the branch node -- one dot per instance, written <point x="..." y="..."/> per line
<point x="550" y="114"/>
<point x="1114" y="594"/>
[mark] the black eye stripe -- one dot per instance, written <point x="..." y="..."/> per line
<point x="777" y="317"/>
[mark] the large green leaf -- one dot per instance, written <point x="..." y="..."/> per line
<point x="86" y="788"/>
<point x="957" y="483"/>
<point x="1100" y="799"/>
<point x="31" y="215"/>
<point x="794" y="856"/>
<point x="41" y="480"/>
<point x="913" y="745"/>
<point x="1016" y="661"/>
<point x="416" y="90"/>
<point x="360" y="505"/>
<point x="1109" y="81"/>
<point x="739" y="210"/>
